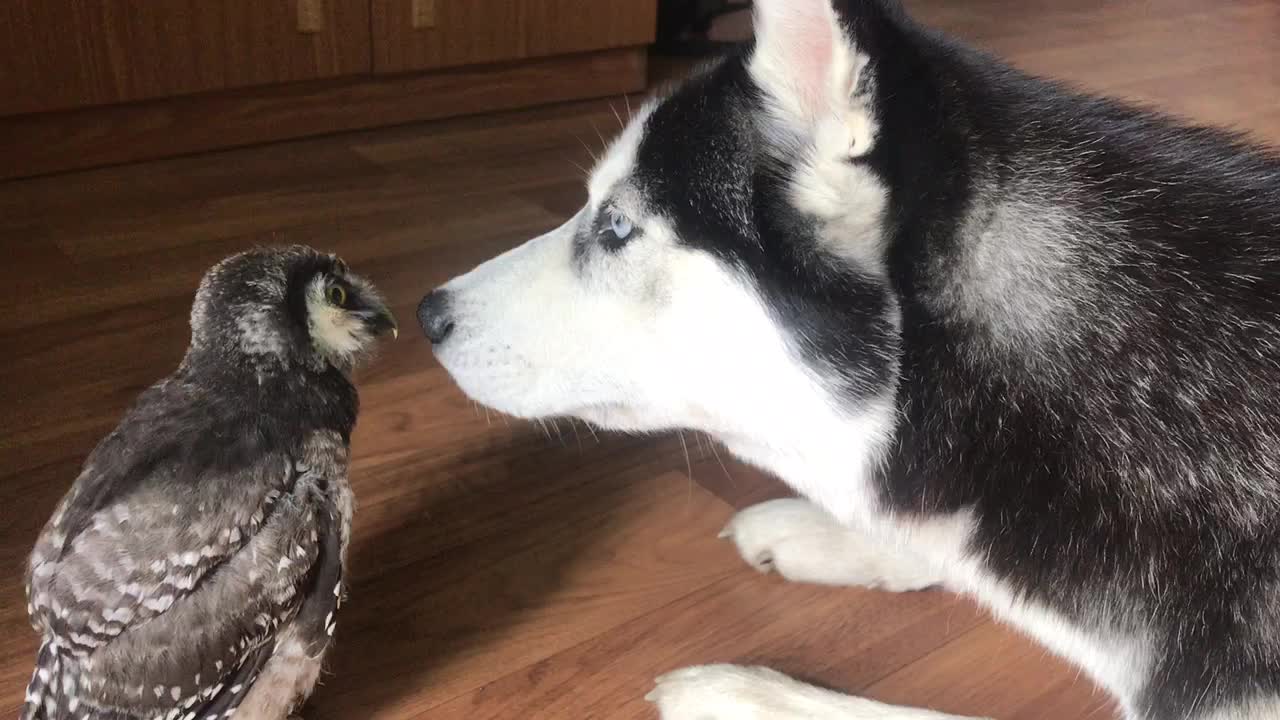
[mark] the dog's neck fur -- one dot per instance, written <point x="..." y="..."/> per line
<point x="829" y="457"/>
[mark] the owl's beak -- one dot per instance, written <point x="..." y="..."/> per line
<point x="381" y="322"/>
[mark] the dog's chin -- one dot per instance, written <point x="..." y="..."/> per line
<point x="609" y="417"/>
<point x="506" y="393"/>
<point x="618" y="418"/>
<point x="514" y="403"/>
<point x="511" y="396"/>
<point x="627" y="419"/>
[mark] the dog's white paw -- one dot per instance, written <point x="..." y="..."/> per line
<point x="733" y="692"/>
<point x="804" y="543"/>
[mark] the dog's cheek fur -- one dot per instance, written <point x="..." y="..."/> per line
<point x="838" y="313"/>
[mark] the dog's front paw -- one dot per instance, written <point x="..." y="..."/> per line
<point x="803" y="543"/>
<point x="774" y="534"/>
<point x="726" y="692"/>
<point x="735" y="692"/>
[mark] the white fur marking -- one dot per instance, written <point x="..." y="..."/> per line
<point x="730" y="692"/>
<point x="803" y="543"/>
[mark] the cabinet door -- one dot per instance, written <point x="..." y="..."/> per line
<point x="57" y="54"/>
<point x="424" y="34"/>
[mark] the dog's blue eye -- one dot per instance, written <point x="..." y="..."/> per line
<point x="620" y="225"/>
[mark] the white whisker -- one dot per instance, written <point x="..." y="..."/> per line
<point x="688" y="466"/>
<point x="702" y="450"/>
<point x="603" y="143"/>
<point x="574" y="426"/>
<point x="556" y="426"/>
<point x="594" y="158"/>
<point x="716" y="453"/>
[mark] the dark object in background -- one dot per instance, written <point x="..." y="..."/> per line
<point x="684" y="26"/>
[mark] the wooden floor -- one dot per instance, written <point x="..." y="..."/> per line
<point x="500" y="571"/>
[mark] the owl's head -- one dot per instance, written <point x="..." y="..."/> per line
<point x="288" y="305"/>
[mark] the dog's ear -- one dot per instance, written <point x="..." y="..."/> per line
<point x="807" y="63"/>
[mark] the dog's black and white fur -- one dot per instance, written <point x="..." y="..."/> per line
<point x="1002" y="336"/>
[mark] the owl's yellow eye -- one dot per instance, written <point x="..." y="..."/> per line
<point x="337" y="295"/>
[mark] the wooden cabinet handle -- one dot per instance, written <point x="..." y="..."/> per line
<point x="310" y="16"/>
<point x="424" y="14"/>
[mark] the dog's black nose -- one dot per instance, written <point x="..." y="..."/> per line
<point x="435" y="317"/>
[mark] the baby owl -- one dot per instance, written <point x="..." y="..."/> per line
<point x="194" y="568"/>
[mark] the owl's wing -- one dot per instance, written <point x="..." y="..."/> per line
<point x="168" y="596"/>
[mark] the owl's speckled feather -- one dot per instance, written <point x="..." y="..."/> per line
<point x="202" y="545"/>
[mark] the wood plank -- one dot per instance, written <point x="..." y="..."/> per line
<point x="596" y="551"/>
<point x="61" y="54"/>
<point x="982" y="674"/>
<point x="39" y="144"/>
<point x="457" y="32"/>
<point x="744" y="618"/>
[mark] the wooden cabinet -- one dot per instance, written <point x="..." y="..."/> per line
<point x="57" y="54"/>
<point x="94" y="82"/>
<point x="428" y="34"/>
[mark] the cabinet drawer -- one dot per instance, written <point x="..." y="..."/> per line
<point x="425" y="34"/>
<point x="58" y="54"/>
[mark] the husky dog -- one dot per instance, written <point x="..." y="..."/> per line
<point x="1002" y="337"/>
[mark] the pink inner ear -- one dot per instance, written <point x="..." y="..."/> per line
<point x="798" y="37"/>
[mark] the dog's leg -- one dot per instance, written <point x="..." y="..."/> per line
<point x="733" y="692"/>
<point x="803" y="543"/>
